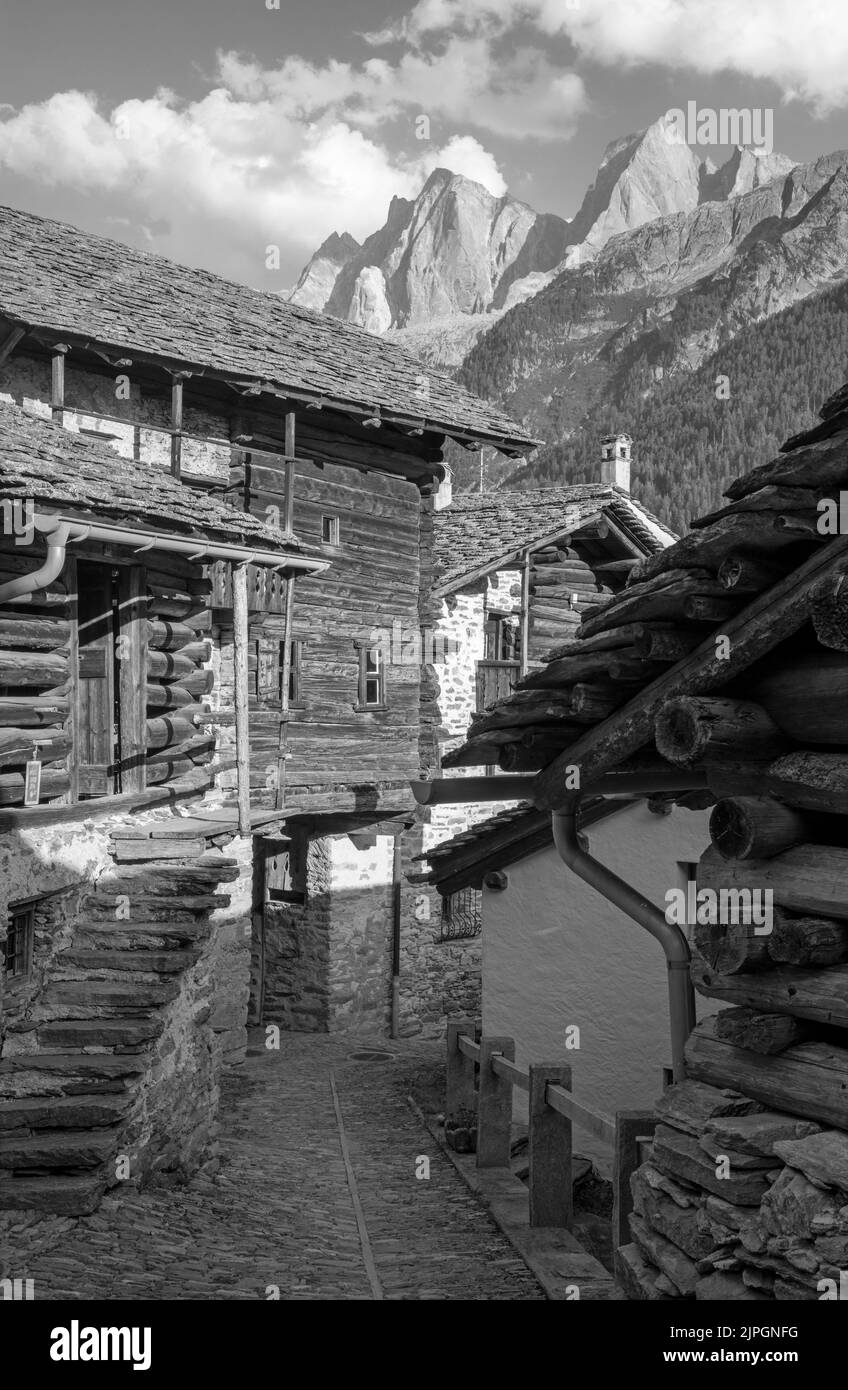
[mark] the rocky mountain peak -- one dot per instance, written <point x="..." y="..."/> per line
<point x="458" y="251"/>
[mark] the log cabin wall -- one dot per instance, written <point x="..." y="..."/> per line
<point x="114" y="934"/>
<point x="369" y="597"/>
<point x="371" y="592"/>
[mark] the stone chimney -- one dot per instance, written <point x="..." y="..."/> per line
<point x="444" y="493"/>
<point x="615" y="460"/>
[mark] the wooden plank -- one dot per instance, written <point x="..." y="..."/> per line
<point x="767" y="621"/>
<point x="591" y="1120"/>
<point x="132" y="677"/>
<point x="240" y="685"/>
<point x="810" y="1079"/>
<point x="819" y="995"/>
<point x="511" y="1071"/>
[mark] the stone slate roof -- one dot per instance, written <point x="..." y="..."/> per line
<point x="479" y="531"/>
<point x="512" y="835"/>
<point x="53" y="275"/>
<point x="61" y="469"/>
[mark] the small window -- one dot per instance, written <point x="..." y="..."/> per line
<point x="270" y="656"/>
<point x="295" y="672"/>
<point x="372" y="678"/>
<point x="462" y="917"/>
<point x="286" y="869"/>
<point x="18" y="947"/>
<point x="330" y="530"/>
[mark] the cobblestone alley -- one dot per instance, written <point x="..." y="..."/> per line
<point x="316" y="1196"/>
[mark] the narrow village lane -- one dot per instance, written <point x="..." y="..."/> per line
<point x="303" y="1204"/>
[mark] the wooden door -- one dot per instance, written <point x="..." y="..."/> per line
<point x="97" y="714"/>
<point x="495" y="680"/>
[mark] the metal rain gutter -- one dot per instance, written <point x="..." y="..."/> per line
<point x="61" y="531"/>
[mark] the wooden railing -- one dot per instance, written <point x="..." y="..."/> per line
<point x="481" y="1074"/>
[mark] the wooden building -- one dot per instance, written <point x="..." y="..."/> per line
<point x="207" y="402"/>
<point x="719" y="677"/>
<point x="118" y="997"/>
<point x="514" y="571"/>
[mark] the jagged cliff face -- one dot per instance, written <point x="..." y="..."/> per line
<point x="442" y="255"/>
<point x="684" y="283"/>
<point x="317" y="279"/>
<point x="457" y="252"/>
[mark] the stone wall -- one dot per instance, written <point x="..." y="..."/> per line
<point x="111" y="1050"/>
<point x="297" y="952"/>
<point x="138" y="420"/>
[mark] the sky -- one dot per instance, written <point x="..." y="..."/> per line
<point x="237" y="134"/>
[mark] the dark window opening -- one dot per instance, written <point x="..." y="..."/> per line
<point x="502" y="637"/>
<point x="462" y="917"/>
<point x="330" y="530"/>
<point x="286" y="869"/>
<point x="295" y="672"/>
<point x="17" y="950"/>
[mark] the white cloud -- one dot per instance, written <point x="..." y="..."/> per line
<point x="221" y="179"/>
<point x="464" y="155"/>
<point x="801" y="48"/>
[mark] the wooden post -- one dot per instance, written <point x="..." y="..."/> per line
<point x="132" y="678"/>
<point x="57" y="399"/>
<point x="525" y="613"/>
<point x="459" y="1071"/>
<point x="630" y="1127"/>
<point x="551" y="1197"/>
<point x="285" y="676"/>
<point x="288" y="510"/>
<point x="73" y="722"/>
<point x="240" y="690"/>
<point x="177" y="422"/>
<point x="494" y="1106"/>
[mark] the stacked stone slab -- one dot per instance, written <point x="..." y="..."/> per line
<point x="737" y="1202"/>
<point x="110" y="1073"/>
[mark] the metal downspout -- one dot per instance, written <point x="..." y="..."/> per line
<point x="681" y="995"/>
<point x="27" y="584"/>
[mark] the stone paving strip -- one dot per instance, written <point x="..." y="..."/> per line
<point x="280" y="1212"/>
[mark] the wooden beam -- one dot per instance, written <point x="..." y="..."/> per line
<point x="525" y="614"/>
<point x="240" y="684"/>
<point x="288" y="510"/>
<point x="285" y="675"/>
<point x="57" y="389"/>
<point x="11" y="340"/>
<point x="177" y="422"/>
<point x="768" y="620"/>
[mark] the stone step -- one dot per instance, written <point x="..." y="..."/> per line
<point x="63" y="1112"/>
<point x="76" y="1195"/>
<point x="142" y="962"/>
<point x="68" y="1073"/>
<point x="139" y="936"/>
<point x="103" y="906"/>
<point x="166" y="880"/>
<point x="89" y="998"/>
<point x="97" y="1032"/>
<point x="68" y="1148"/>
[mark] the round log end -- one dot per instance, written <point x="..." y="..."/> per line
<point x="730" y="829"/>
<point x="680" y="738"/>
